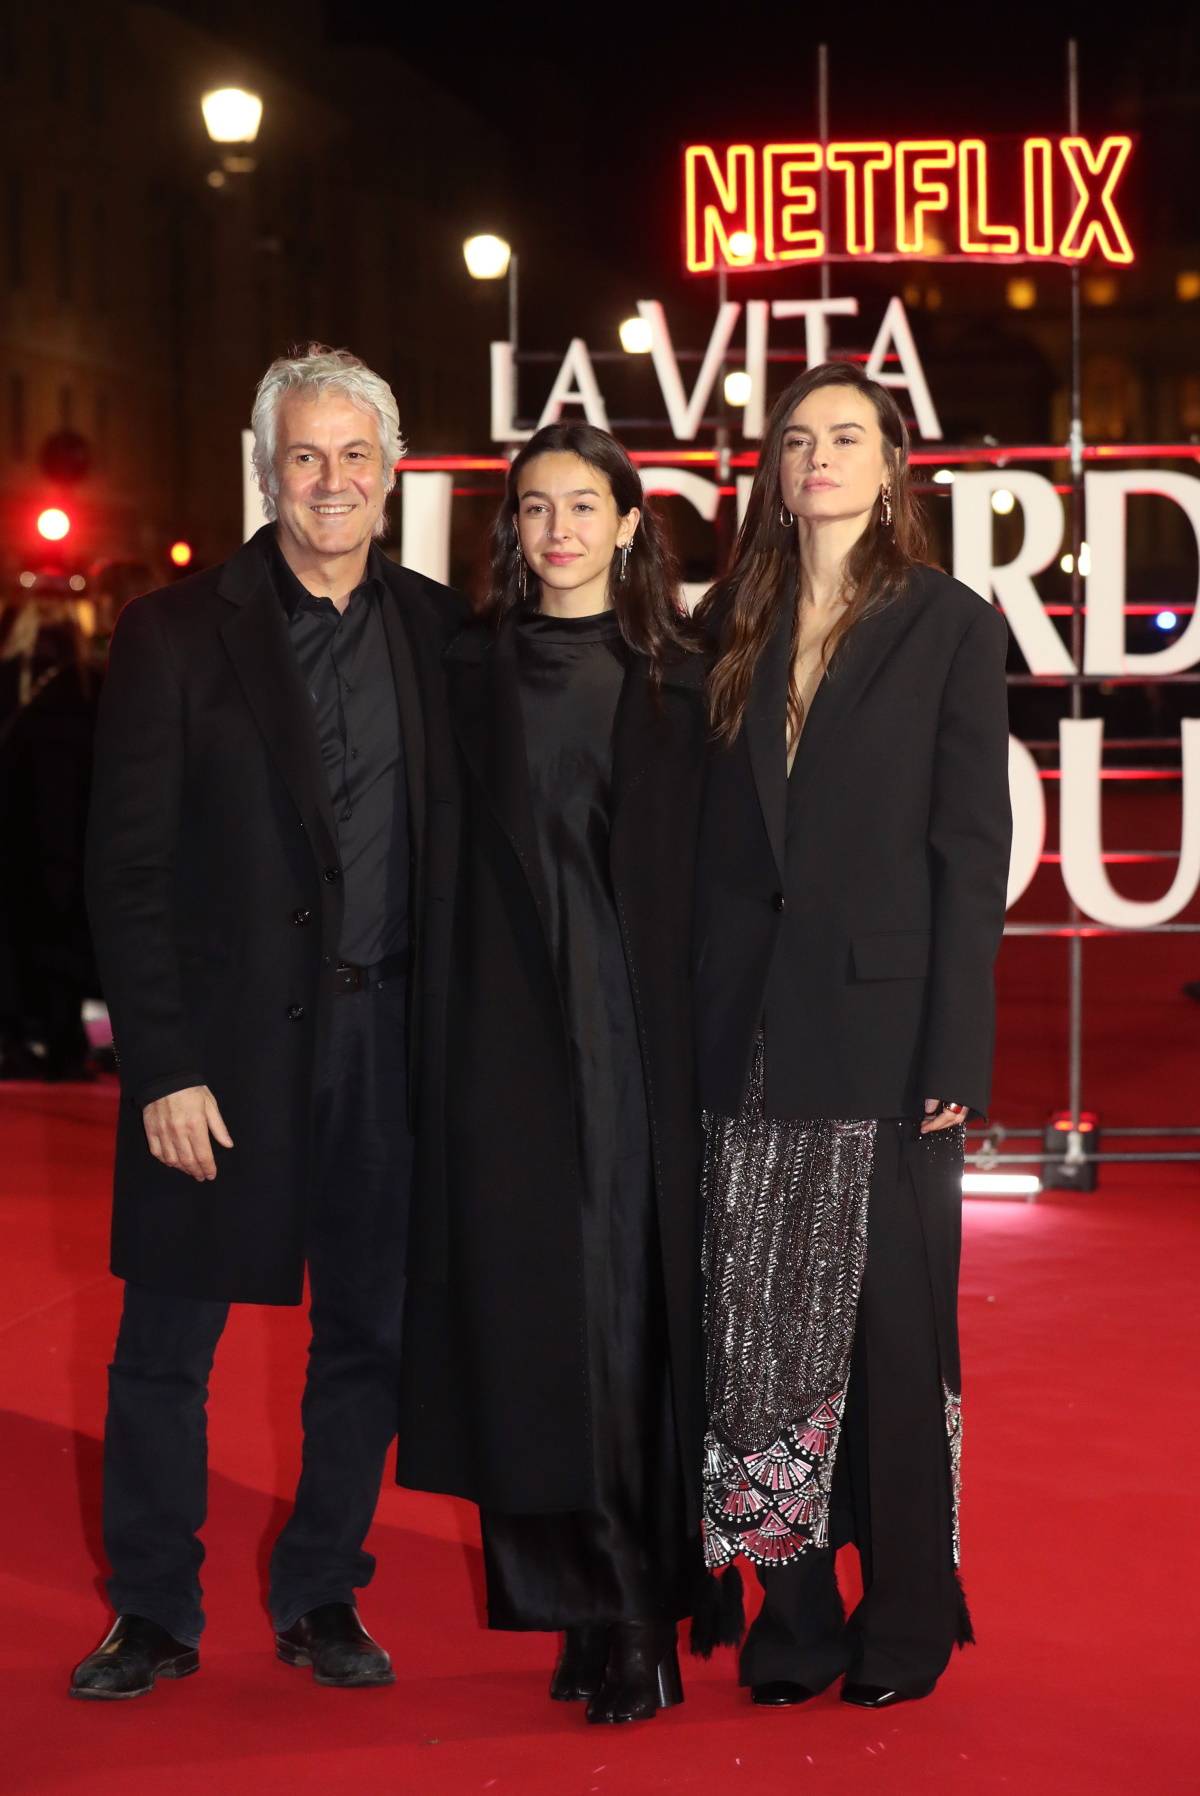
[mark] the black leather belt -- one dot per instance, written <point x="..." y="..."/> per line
<point x="347" y="977"/>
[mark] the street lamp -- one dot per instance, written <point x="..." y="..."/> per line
<point x="490" y="258"/>
<point x="232" y="116"/>
<point x="635" y="336"/>
<point x="738" y="387"/>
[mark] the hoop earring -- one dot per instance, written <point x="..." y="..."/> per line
<point x="624" y="568"/>
<point x="885" y="506"/>
<point x="785" y="516"/>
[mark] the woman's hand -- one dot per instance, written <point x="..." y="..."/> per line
<point x="942" y="1116"/>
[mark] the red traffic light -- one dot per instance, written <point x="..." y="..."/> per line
<point x="180" y="553"/>
<point x="53" y="524"/>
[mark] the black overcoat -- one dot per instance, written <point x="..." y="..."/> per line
<point x="495" y="1394"/>
<point x="854" y="910"/>
<point x="215" y="899"/>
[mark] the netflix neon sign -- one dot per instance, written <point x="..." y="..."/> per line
<point x="929" y="198"/>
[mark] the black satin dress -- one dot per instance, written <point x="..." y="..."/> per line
<point x="625" y="1560"/>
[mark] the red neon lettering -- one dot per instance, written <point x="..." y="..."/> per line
<point x="784" y="240"/>
<point x="860" y="163"/>
<point x="976" y="236"/>
<point x="747" y="203"/>
<point x="1095" y="219"/>
<point x="916" y="194"/>
<point x="718" y="202"/>
<point x="1039" y="197"/>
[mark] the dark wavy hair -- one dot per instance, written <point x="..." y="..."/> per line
<point x="648" y="605"/>
<point x="741" y="610"/>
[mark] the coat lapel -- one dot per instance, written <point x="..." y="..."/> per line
<point x="397" y="626"/>
<point x="766" y="734"/>
<point x="485" y="709"/>
<point x="255" y="637"/>
<point x="851" y="672"/>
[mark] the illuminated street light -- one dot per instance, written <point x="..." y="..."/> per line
<point x="944" y="477"/>
<point x="738" y="387"/>
<point x="180" y="553"/>
<point x="53" y="524"/>
<point x="231" y="115"/>
<point x="635" y="336"/>
<point x="487" y="257"/>
<point x="1067" y="562"/>
<point x="1002" y="501"/>
<point x="741" y="246"/>
<point x="1167" y="620"/>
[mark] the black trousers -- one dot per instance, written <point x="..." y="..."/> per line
<point x="155" y="1444"/>
<point x="892" y="1492"/>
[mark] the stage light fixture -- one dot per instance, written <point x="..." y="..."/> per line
<point x="1002" y="501"/>
<point x="487" y="257"/>
<point x="738" y="387"/>
<point x="635" y="336"/>
<point x="1062" y="1142"/>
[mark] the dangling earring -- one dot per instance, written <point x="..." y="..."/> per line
<point x="885" y="505"/>
<point x="785" y="516"/>
<point x="524" y="575"/>
<point x="624" y="568"/>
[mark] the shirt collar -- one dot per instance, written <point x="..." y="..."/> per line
<point x="292" y="592"/>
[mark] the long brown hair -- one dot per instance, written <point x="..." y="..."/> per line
<point x="649" y="607"/>
<point x="742" y="609"/>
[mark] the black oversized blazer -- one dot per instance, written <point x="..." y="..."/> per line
<point x="495" y="1394"/>
<point x="854" y="910"/>
<point x="215" y="899"/>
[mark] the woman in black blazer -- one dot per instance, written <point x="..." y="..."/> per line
<point x="553" y="1357"/>
<point x="850" y="902"/>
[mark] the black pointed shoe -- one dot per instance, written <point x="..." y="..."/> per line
<point x="779" y="1693"/>
<point x="878" y="1696"/>
<point x="580" y="1669"/>
<point x="334" y="1642"/>
<point x="127" y="1661"/>
<point x="642" y="1674"/>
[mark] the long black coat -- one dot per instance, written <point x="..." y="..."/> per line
<point x="855" y="910"/>
<point x="495" y="1395"/>
<point x="215" y="898"/>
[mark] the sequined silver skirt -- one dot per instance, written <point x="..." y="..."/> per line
<point x="785" y="1244"/>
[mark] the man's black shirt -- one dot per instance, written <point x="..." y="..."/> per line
<point x="345" y="664"/>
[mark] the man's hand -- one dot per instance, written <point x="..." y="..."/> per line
<point x="942" y="1116"/>
<point x="178" y="1128"/>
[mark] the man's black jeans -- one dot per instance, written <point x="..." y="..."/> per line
<point x="155" y="1445"/>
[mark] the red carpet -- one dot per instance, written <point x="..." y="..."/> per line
<point x="1081" y="1472"/>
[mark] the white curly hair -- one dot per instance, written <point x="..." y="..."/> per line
<point x="313" y="370"/>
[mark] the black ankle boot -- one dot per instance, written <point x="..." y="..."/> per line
<point x="642" y="1675"/>
<point x="580" y="1669"/>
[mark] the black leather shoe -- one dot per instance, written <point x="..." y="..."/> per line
<point x="642" y="1674"/>
<point x="779" y="1694"/>
<point x="876" y="1696"/>
<point x="580" y="1669"/>
<point x="334" y="1642"/>
<point x="131" y="1656"/>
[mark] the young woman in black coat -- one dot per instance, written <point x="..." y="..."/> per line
<point x="850" y="902"/>
<point x="553" y="1359"/>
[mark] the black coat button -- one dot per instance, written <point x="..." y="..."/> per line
<point x="331" y="875"/>
<point x="295" y="1013"/>
<point x="301" y="917"/>
<point x="778" y="901"/>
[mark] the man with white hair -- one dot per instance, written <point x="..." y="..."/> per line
<point x="270" y="858"/>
